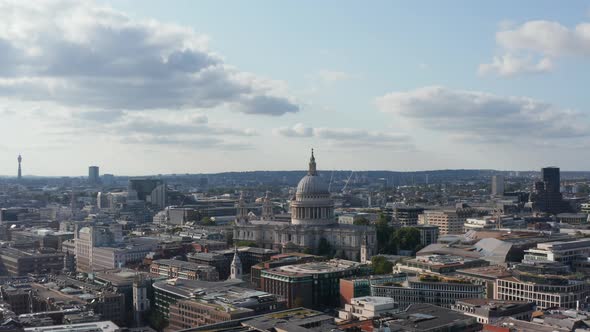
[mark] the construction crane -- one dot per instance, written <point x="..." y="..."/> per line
<point x="347" y="181"/>
<point x="330" y="184"/>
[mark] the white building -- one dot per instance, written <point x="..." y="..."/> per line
<point x="312" y="221"/>
<point x="566" y="252"/>
<point x="367" y="307"/>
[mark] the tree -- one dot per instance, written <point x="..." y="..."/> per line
<point x="406" y="238"/>
<point x="381" y="265"/>
<point x="384" y="234"/>
<point x="208" y="221"/>
<point x="362" y="221"/>
<point x="244" y="243"/>
<point x="324" y="247"/>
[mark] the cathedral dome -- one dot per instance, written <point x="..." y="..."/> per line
<point x="312" y="204"/>
<point x="312" y="184"/>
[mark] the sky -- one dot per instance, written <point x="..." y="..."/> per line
<point x="181" y="86"/>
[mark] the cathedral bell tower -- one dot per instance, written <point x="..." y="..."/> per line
<point x="365" y="250"/>
<point x="267" y="211"/>
<point x="242" y="210"/>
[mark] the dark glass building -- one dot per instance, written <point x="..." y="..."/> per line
<point x="546" y="196"/>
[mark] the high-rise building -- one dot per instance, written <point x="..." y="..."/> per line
<point x="546" y="196"/>
<point x="20" y="170"/>
<point x="152" y="191"/>
<point x="93" y="175"/>
<point x="551" y="179"/>
<point x="497" y="185"/>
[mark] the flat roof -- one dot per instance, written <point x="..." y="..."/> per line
<point x="186" y="288"/>
<point x="104" y="326"/>
<point x="333" y="265"/>
<point x="422" y="316"/>
<point x="491" y="271"/>
<point x="374" y="299"/>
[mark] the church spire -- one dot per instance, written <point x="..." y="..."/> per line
<point x="236" y="266"/>
<point x="312" y="166"/>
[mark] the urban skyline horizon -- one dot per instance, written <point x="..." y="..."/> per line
<point x="320" y="170"/>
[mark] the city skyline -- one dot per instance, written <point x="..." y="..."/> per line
<point x="405" y="87"/>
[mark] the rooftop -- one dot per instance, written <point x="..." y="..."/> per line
<point x="376" y="300"/>
<point x="187" y="288"/>
<point x="333" y="265"/>
<point x="426" y="317"/>
<point x="183" y="264"/>
<point x="491" y="272"/>
<point x="104" y="326"/>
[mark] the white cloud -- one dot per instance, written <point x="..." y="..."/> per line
<point x="482" y="116"/>
<point x="298" y="130"/>
<point x="544" y="40"/>
<point x="348" y="137"/>
<point x="509" y="65"/>
<point x="84" y="55"/>
<point x="547" y="38"/>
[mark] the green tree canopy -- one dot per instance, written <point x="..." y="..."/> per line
<point x="381" y="265"/>
<point x="362" y="221"/>
<point x="208" y="221"/>
<point x="244" y="243"/>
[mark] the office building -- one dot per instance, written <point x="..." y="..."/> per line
<point x="171" y="291"/>
<point x="361" y="286"/>
<point x="448" y="221"/>
<point x="437" y="290"/>
<point x="102" y="326"/>
<point x="546" y="196"/>
<point x="404" y="216"/>
<point x="311" y="285"/>
<point x="73" y="293"/>
<point x="497" y="185"/>
<point x="491" y="311"/>
<point x="93" y="175"/>
<point x="428" y="234"/>
<point x="572" y="253"/>
<point x="15" y="262"/>
<point x="438" y="264"/>
<point x="277" y="261"/>
<point x="367" y="307"/>
<point x="429" y="318"/>
<point x="548" y="284"/>
<point x="221" y="259"/>
<point x="210" y="306"/>
<point x="298" y="319"/>
<point x="150" y="191"/>
<point x="101" y="247"/>
<point x="171" y="268"/>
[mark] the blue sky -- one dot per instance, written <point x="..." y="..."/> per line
<point x="371" y="85"/>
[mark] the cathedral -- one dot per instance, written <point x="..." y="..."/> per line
<point x="312" y="222"/>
